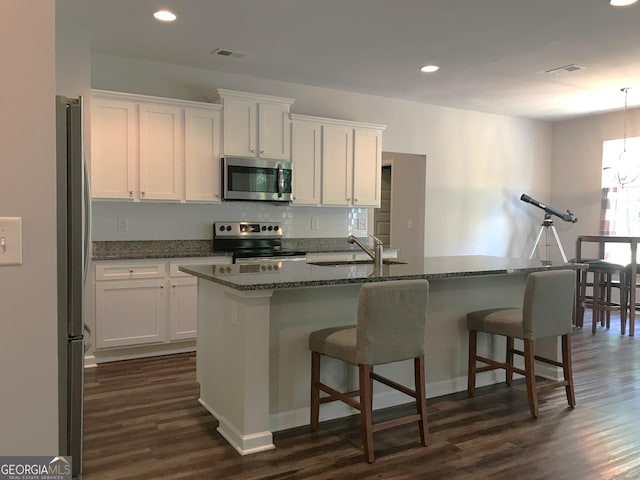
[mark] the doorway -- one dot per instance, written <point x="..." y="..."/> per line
<point x="400" y="220"/>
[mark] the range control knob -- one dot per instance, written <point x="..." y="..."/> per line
<point x="222" y="228"/>
<point x="264" y="228"/>
<point x="270" y="228"/>
<point x="228" y="228"/>
<point x="276" y="228"/>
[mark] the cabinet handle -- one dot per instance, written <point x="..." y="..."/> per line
<point x="253" y="150"/>
<point x="261" y="151"/>
<point x="131" y="270"/>
<point x="355" y="199"/>
<point x="173" y="286"/>
<point x="161" y="286"/>
<point x="131" y="193"/>
<point x="142" y="193"/>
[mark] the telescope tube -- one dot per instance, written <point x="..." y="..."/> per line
<point x="567" y="217"/>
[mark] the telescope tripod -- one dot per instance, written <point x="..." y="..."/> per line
<point x="547" y="224"/>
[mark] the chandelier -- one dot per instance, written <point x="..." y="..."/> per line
<point x="625" y="169"/>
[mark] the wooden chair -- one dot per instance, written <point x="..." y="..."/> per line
<point x="546" y="312"/>
<point x="390" y="327"/>
<point x="602" y="277"/>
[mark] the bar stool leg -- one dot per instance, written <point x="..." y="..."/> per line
<point x="471" y="375"/>
<point x="365" y="411"/>
<point x="529" y="367"/>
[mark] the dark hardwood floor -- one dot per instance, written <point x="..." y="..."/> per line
<point x="143" y="421"/>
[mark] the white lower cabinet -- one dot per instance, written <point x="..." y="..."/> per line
<point x="130" y="312"/>
<point x="146" y="302"/>
<point x="183" y="308"/>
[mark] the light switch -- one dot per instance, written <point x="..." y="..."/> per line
<point x="10" y="240"/>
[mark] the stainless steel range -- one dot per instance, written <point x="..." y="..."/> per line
<point x="253" y="242"/>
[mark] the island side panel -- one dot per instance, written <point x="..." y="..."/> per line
<point x="233" y="363"/>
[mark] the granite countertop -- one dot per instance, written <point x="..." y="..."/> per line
<point x="299" y="274"/>
<point x="143" y="249"/>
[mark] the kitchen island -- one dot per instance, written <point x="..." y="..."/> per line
<point x="253" y="363"/>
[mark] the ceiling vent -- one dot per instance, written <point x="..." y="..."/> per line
<point x="228" y="53"/>
<point x="566" y="69"/>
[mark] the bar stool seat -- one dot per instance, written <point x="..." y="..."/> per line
<point x="390" y="327"/>
<point x="546" y="312"/>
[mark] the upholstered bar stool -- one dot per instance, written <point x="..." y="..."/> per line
<point x="390" y="327"/>
<point x="546" y="312"/>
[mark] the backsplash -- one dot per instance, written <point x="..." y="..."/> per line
<point x="114" y="221"/>
<point x="144" y="249"/>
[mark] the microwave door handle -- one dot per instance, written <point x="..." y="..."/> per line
<point x="280" y="181"/>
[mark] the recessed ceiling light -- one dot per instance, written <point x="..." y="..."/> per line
<point x="165" y="16"/>
<point x="429" y="68"/>
<point x="621" y="3"/>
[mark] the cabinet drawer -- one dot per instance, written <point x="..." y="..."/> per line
<point x="130" y="271"/>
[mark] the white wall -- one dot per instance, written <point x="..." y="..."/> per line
<point x="28" y="323"/>
<point x="479" y="164"/>
<point x="577" y="169"/>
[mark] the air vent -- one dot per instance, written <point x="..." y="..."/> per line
<point x="566" y="69"/>
<point x="228" y="53"/>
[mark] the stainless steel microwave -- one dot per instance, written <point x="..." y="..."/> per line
<point x="256" y="179"/>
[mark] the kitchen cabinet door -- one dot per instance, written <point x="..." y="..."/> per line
<point x="254" y="125"/>
<point x="306" y="149"/>
<point x="202" y="154"/>
<point x="183" y="308"/>
<point x="114" y="149"/>
<point x="337" y="165"/>
<point x="274" y="131"/>
<point x="130" y="312"/>
<point x="161" y="152"/>
<point x="239" y="127"/>
<point x="367" y="167"/>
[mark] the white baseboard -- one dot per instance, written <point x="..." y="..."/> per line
<point x="243" y="444"/>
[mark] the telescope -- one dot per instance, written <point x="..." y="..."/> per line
<point x="567" y="217"/>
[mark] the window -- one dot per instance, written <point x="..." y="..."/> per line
<point x="620" y="213"/>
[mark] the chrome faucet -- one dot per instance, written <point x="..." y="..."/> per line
<point x="375" y="255"/>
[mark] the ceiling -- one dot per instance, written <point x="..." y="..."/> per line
<point x="493" y="54"/>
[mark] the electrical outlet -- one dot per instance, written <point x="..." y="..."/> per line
<point x="10" y="240"/>
<point x="314" y="223"/>
<point x="362" y="224"/>
<point x="123" y="224"/>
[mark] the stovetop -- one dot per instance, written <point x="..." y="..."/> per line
<point x="251" y="240"/>
<point x="266" y="252"/>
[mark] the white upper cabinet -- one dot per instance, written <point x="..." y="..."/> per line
<point x="161" y="152"/>
<point x="114" y="148"/>
<point x="149" y="148"/>
<point x="351" y="163"/>
<point x="337" y="165"/>
<point x="306" y="150"/>
<point x="254" y="125"/>
<point x="367" y="166"/>
<point x="202" y="154"/>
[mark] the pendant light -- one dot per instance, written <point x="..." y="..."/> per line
<point x="626" y="169"/>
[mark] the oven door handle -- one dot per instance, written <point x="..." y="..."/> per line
<point x="280" y="181"/>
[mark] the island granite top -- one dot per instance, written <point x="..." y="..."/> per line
<point x="298" y="274"/>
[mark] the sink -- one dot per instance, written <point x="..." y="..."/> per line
<point x="342" y="263"/>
